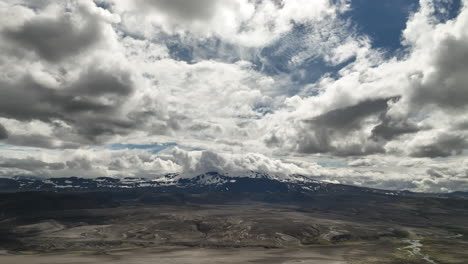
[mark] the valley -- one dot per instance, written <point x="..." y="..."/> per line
<point x="265" y="227"/>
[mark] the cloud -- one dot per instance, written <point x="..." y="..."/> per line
<point x="144" y="163"/>
<point x="248" y="23"/>
<point x="55" y="38"/>
<point x="30" y="164"/>
<point x="444" y="85"/>
<point x="198" y="162"/>
<point x="338" y="131"/>
<point x="257" y="85"/>
<point x="3" y="132"/>
<point x="350" y="118"/>
<point x="428" y="81"/>
<point x="379" y="172"/>
<point x="362" y="163"/>
<point x="91" y="104"/>
<point x="390" y="128"/>
<point x="40" y="141"/>
<point x="60" y="32"/>
<point x="183" y="10"/>
<point x="95" y="90"/>
<point x="84" y="100"/>
<point x="441" y="145"/>
<point x="87" y="163"/>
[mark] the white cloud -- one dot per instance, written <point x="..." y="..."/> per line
<point x="248" y="23"/>
<point x="430" y="80"/>
<point x="114" y="78"/>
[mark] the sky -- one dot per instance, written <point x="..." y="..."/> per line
<point x="362" y="92"/>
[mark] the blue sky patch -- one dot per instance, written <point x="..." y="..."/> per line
<point x="153" y="148"/>
<point x="448" y="10"/>
<point x="382" y="20"/>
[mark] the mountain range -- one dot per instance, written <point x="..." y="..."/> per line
<point x="255" y="182"/>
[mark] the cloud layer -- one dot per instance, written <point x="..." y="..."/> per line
<point x="276" y="86"/>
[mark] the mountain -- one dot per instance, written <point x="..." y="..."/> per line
<point x="253" y="182"/>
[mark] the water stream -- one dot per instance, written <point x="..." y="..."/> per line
<point x="414" y="249"/>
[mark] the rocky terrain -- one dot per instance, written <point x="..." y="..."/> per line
<point x="210" y="220"/>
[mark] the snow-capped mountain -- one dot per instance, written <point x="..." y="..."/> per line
<point x="207" y="182"/>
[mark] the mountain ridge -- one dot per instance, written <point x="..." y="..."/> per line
<point x="206" y="182"/>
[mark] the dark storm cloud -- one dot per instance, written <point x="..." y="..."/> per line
<point x="442" y="146"/>
<point x="185" y="10"/>
<point x="3" y="132"/>
<point x="57" y="38"/>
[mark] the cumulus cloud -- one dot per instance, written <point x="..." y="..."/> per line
<point x="91" y="104"/>
<point x="273" y="86"/>
<point x="248" y="23"/>
<point x="55" y="38"/>
<point x="442" y="82"/>
<point x="95" y="90"/>
<point x="338" y="131"/>
<point x="80" y="84"/>
<point x="59" y="30"/>
<point x="428" y="81"/>
<point x="198" y="162"/>
<point x="441" y="145"/>
<point x="140" y="163"/>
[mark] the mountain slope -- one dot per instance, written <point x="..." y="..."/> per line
<point x="207" y="182"/>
